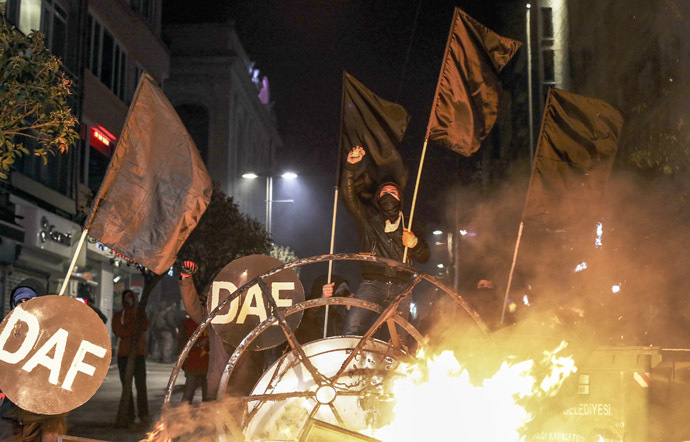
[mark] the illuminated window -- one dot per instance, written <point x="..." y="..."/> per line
<point x="29" y="16"/>
<point x="107" y="59"/>
<point x="47" y="16"/>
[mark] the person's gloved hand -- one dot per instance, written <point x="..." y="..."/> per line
<point x="409" y="239"/>
<point x="327" y="290"/>
<point x="188" y="269"/>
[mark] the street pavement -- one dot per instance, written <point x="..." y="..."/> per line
<point x="95" y="419"/>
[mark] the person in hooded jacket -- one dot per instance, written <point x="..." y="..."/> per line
<point x="123" y="327"/>
<point x="17" y="424"/>
<point x="381" y="225"/>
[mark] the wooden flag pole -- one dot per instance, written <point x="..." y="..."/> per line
<point x="428" y="127"/>
<point x="84" y="233"/>
<point x="524" y="210"/>
<point x="416" y="189"/>
<point x="330" y="251"/>
<point x="335" y="198"/>
<point x="512" y="269"/>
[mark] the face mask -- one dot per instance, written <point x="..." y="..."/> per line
<point x="389" y="206"/>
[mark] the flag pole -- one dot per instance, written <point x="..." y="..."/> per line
<point x="335" y="199"/>
<point x="330" y="252"/>
<point x="512" y="269"/>
<point x="524" y="209"/>
<point x="416" y="189"/>
<point x="428" y="126"/>
<point x="84" y="233"/>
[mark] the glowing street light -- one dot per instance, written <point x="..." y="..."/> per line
<point x="269" y="193"/>
<point x="437" y="232"/>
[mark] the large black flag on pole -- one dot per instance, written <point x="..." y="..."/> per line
<point x="378" y="126"/>
<point x="467" y="94"/>
<point x="468" y="91"/>
<point x="576" y="148"/>
<point x="575" y="152"/>
<point x="375" y="124"/>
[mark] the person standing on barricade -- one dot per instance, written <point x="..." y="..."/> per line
<point x="382" y="233"/>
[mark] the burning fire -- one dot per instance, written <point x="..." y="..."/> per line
<point x="158" y="434"/>
<point x="437" y="399"/>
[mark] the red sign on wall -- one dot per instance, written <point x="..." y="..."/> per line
<point x="102" y="140"/>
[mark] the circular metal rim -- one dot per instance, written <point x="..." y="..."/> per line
<point x="313" y="260"/>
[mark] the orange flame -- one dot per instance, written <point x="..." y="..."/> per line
<point x="158" y="434"/>
<point x="437" y="399"/>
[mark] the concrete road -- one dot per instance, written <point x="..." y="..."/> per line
<point x="95" y="419"/>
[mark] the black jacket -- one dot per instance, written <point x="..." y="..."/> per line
<point x="373" y="238"/>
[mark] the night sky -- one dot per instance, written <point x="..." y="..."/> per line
<point x="393" y="47"/>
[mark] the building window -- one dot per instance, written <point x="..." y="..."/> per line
<point x="57" y="173"/>
<point x="138" y="72"/>
<point x="143" y="7"/>
<point x="29" y="15"/>
<point x="546" y="23"/>
<point x="48" y="16"/>
<point x="549" y="65"/>
<point x="107" y="59"/>
<point x="100" y="145"/>
<point x="54" y="27"/>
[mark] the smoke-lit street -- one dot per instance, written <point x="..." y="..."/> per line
<point x="344" y="221"/>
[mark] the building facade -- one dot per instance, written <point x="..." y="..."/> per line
<point x="225" y="104"/>
<point x="104" y="46"/>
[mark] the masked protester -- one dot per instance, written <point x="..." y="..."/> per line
<point x="21" y="425"/>
<point x="123" y="327"/>
<point x="382" y="231"/>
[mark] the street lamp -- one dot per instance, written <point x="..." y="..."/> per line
<point x="269" y="193"/>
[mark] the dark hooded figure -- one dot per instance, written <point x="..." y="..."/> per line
<point x="123" y="326"/>
<point x="25" y="290"/>
<point x="84" y="293"/>
<point x="382" y="233"/>
<point x="17" y="424"/>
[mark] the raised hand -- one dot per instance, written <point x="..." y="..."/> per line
<point x="188" y="269"/>
<point x="356" y="155"/>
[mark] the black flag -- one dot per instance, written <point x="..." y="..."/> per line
<point x="468" y="91"/>
<point x="378" y="126"/>
<point x="575" y="152"/>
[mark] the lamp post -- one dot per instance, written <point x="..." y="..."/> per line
<point x="269" y="193"/>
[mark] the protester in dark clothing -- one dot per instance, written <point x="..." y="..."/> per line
<point x="84" y="293"/>
<point x="382" y="232"/>
<point x="17" y="424"/>
<point x="249" y="366"/>
<point x="196" y="365"/>
<point x="123" y="327"/>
